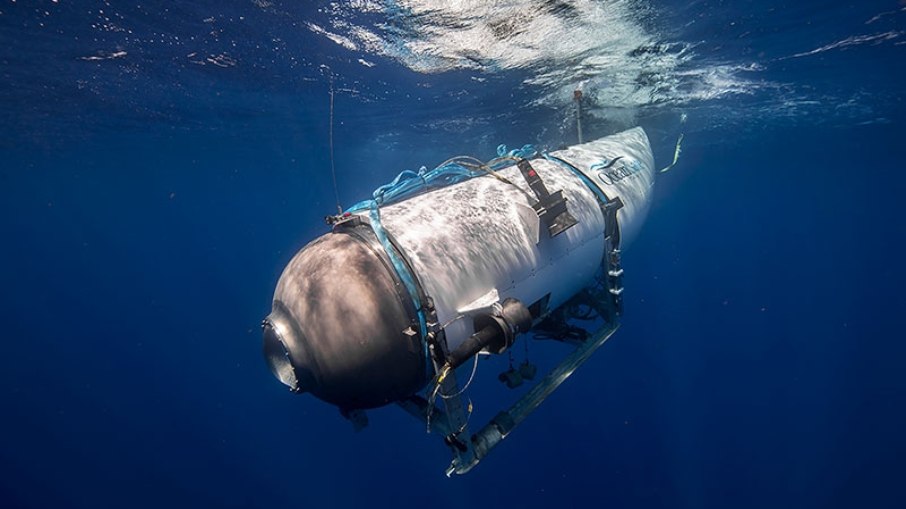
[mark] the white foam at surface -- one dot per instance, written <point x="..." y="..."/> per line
<point x="601" y="47"/>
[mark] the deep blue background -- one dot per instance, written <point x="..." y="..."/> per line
<point x="146" y="214"/>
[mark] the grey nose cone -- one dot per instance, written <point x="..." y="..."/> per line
<point x="338" y="322"/>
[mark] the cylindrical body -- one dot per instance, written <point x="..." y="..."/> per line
<point x="340" y="327"/>
<point x="467" y="239"/>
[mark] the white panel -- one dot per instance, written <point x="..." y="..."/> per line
<point x="468" y="239"/>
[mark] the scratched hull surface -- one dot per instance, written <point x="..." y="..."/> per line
<point x="482" y="235"/>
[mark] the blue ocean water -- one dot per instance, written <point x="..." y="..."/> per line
<point x="162" y="162"/>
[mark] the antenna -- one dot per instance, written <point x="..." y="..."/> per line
<point x="333" y="170"/>
<point x="577" y="96"/>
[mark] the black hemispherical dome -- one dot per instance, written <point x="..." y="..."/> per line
<point x="339" y="324"/>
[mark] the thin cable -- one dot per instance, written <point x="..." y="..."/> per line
<point x="444" y="372"/>
<point x="468" y="383"/>
<point x="440" y="379"/>
<point x="333" y="170"/>
<point x="486" y="167"/>
<point x="468" y="418"/>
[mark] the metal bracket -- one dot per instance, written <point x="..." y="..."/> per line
<point x="452" y="420"/>
<point x="551" y="208"/>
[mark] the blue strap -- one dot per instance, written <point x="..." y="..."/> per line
<point x="402" y="270"/>
<point x="409" y="183"/>
<point x="527" y="151"/>
<point x="585" y="180"/>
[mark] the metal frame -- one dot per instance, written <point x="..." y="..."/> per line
<point x="452" y="420"/>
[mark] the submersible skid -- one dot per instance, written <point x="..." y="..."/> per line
<point x="372" y="312"/>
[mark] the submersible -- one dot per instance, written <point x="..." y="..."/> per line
<point x="444" y="265"/>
